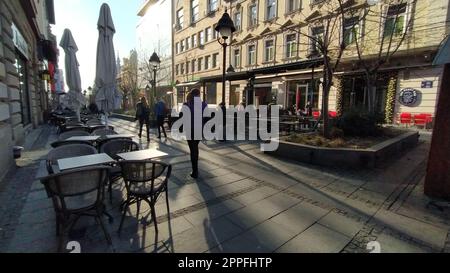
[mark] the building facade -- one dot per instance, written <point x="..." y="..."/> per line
<point x="276" y="40"/>
<point x="27" y="49"/>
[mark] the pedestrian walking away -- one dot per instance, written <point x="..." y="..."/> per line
<point x="192" y="142"/>
<point x="143" y="115"/>
<point x="161" y="110"/>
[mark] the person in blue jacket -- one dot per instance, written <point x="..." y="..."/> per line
<point x="160" y="111"/>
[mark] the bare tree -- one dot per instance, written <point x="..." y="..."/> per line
<point x="129" y="81"/>
<point x="388" y="27"/>
<point x="325" y="29"/>
<point x="146" y="74"/>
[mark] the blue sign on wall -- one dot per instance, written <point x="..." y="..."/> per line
<point x="408" y="96"/>
<point x="427" y="84"/>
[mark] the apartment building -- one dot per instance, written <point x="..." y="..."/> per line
<point x="275" y="58"/>
<point x="27" y="52"/>
<point x="197" y="52"/>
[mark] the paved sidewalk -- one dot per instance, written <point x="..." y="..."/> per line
<point x="244" y="201"/>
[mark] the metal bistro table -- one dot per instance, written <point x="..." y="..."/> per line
<point x="291" y="125"/>
<point x="119" y="136"/>
<point x="94" y="127"/>
<point x="84" y="138"/>
<point x="84" y="161"/>
<point x="142" y="155"/>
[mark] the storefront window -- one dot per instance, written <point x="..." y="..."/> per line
<point x="180" y="95"/>
<point x="263" y="95"/>
<point x="21" y="66"/>
<point x="234" y="95"/>
<point x="211" y="93"/>
<point x="300" y="93"/>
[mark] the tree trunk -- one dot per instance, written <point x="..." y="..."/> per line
<point x="326" y="92"/>
<point x="326" y="119"/>
<point x="371" y="84"/>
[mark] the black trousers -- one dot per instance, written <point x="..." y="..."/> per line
<point x="147" y="126"/>
<point x="160" y="120"/>
<point x="193" y="147"/>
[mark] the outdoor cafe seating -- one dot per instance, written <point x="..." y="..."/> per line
<point x="69" y="134"/>
<point x="419" y="120"/>
<point x="66" y="151"/>
<point x="82" y="166"/>
<point x="113" y="148"/>
<point x="60" y="143"/>
<point x="103" y="132"/>
<point x="77" y="193"/>
<point x="145" y="180"/>
<point x="94" y="122"/>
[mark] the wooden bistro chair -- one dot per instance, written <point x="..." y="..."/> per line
<point x="113" y="148"/>
<point x="76" y="194"/>
<point x="145" y="180"/>
<point x="66" y="151"/>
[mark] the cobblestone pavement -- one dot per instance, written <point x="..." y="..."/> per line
<point x="244" y="201"/>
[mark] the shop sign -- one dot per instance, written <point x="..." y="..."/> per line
<point x="20" y="42"/>
<point x="427" y="84"/>
<point x="408" y="96"/>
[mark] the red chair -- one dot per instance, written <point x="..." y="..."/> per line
<point x="429" y="118"/>
<point x="316" y="114"/>
<point x="422" y="119"/>
<point x="332" y="114"/>
<point x="406" y="118"/>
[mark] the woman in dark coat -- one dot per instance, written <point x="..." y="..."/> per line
<point x="192" y="142"/>
<point x="143" y="115"/>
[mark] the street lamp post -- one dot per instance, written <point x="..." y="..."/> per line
<point x="154" y="62"/>
<point x="90" y="93"/>
<point x="225" y="27"/>
<point x="147" y="91"/>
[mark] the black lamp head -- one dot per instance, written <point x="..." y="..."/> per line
<point x="154" y="59"/>
<point x="225" y="26"/>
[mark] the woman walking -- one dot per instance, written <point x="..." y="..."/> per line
<point x="192" y="142"/>
<point x="143" y="115"/>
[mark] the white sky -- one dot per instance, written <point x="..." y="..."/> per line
<point x="81" y="16"/>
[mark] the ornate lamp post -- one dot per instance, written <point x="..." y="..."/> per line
<point x="90" y="93"/>
<point x="225" y="27"/>
<point x="147" y="90"/>
<point x="155" y="63"/>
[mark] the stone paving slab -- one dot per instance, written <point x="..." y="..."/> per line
<point x="206" y="236"/>
<point x="300" y="217"/>
<point x="391" y="244"/>
<point x="429" y="234"/>
<point x="264" y="238"/>
<point x="213" y="212"/>
<point x="344" y="225"/>
<point x="258" y="212"/>
<point x="316" y="239"/>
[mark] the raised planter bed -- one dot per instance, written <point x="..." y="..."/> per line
<point x="346" y="157"/>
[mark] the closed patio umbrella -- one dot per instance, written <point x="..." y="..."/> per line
<point x="74" y="99"/>
<point x="108" y="97"/>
